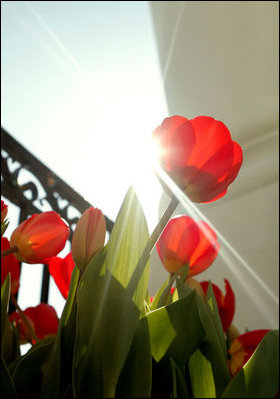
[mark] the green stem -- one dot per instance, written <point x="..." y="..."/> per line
<point x="162" y="223"/>
<point x="9" y="251"/>
<point x="154" y="238"/>
<point x="24" y="319"/>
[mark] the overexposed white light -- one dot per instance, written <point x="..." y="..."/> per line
<point x="87" y="113"/>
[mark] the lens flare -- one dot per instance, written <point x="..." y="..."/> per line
<point x="247" y="278"/>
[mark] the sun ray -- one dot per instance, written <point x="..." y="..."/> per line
<point x="55" y="39"/>
<point x="250" y="274"/>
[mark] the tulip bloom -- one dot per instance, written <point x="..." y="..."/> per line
<point x="242" y="348"/>
<point x="88" y="237"/>
<point x="61" y="271"/>
<point x="9" y="264"/>
<point x="186" y="241"/>
<point x="225" y="303"/>
<point x="199" y="155"/>
<point x="4" y="211"/>
<point x="40" y="237"/>
<point x="43" y="319"/>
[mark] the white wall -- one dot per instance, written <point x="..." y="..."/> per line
<point x="221" y="59"/>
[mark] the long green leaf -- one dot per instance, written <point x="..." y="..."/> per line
<point x="123" y="306"/>
<point x="10" y="343"/>
<point x="5" y="296"/>
<point x="158" y="295"/>
<point x="110" y="301"/>
<point x="28" y="374"/>
<point x="202" y="380"/>
<point x="8" y="389"/>
<point x="259" y="378"/>
<point x="54" y="368"/>
<point x="215" y="316"/>
<point x="4" y="226"/>
<point x="176" y="329"/>
<point x="136" y="377"/>
<point x="212" y="348"/>
<point x="87" y="361"/>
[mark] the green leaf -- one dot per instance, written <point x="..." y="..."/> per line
<point x="10" y="343"/>
<point x="215" y="316"/>
<point x="259" y="378"/>
<point x="136" y="377"/>
<point x="158" y="294"/>
<point x="163" y="297"/>
<point x="174" y="379"/>
<point x="182" y="390"/>
<point x="212" y="348"/>
<point x="8" y="389"/>
<point x="201" y="375"/>
<point x="87" y="361"/>
<point x="110" y="300"/>
<point x="128" y="239"/>
<point x="176" y="329"/>
<point x="4" y="226"/>
<point x="58" y="365"/>
<point x="162" y="332"/>
<point x="5" y="296"/>
<point x="27" y="374"/>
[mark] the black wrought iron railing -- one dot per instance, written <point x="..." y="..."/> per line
<point x="40" y="188"/>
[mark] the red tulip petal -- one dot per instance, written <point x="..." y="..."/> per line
<point x="210" y="136"/>
<point x="176" y="139"/>
<point x="44" y="318"/>
<point x="199" y="155"/>
<point x="40" y="237"/>
<point x="9" y="264"/>
<point x="219" y="172"/>
<point x="228" y="308"/>
<point x="177" y="242"/>
<point x="206" y="251"/>
<point x="225" y="303"/>
<point x="243" y="347"/>
<point x="61" y="271"/>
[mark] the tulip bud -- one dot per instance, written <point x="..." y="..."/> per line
<point x="40" y="237"/>
<point x="88" y="237"/>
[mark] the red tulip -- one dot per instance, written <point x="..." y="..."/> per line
<point x="225" y="303"/>
<point x="242" y="348"/>
<point x="43" y="319"/>
<point x="40" y="237"/>
<point x="199" y="155"/>
<point x="4" y="211"/>
<point x="88" y="237"/>
<point x="61" y="271"/>
<point x="186" y="241"/>
<point x="9" y="264"/>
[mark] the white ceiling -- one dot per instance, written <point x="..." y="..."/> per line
<point x="220" y="58"/>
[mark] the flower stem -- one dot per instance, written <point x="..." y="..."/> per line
<point x="25" y="319"/>
<point x="163" y="222"/>
<point x="9" y="251"/>
<point x="155" y="236"/>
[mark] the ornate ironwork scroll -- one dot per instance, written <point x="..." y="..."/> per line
<point x="30" y="185"/>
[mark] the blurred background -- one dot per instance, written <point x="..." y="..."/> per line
<point x="85" y="83"/>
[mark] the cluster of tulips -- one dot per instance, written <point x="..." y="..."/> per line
<point x="202" y="160"/>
